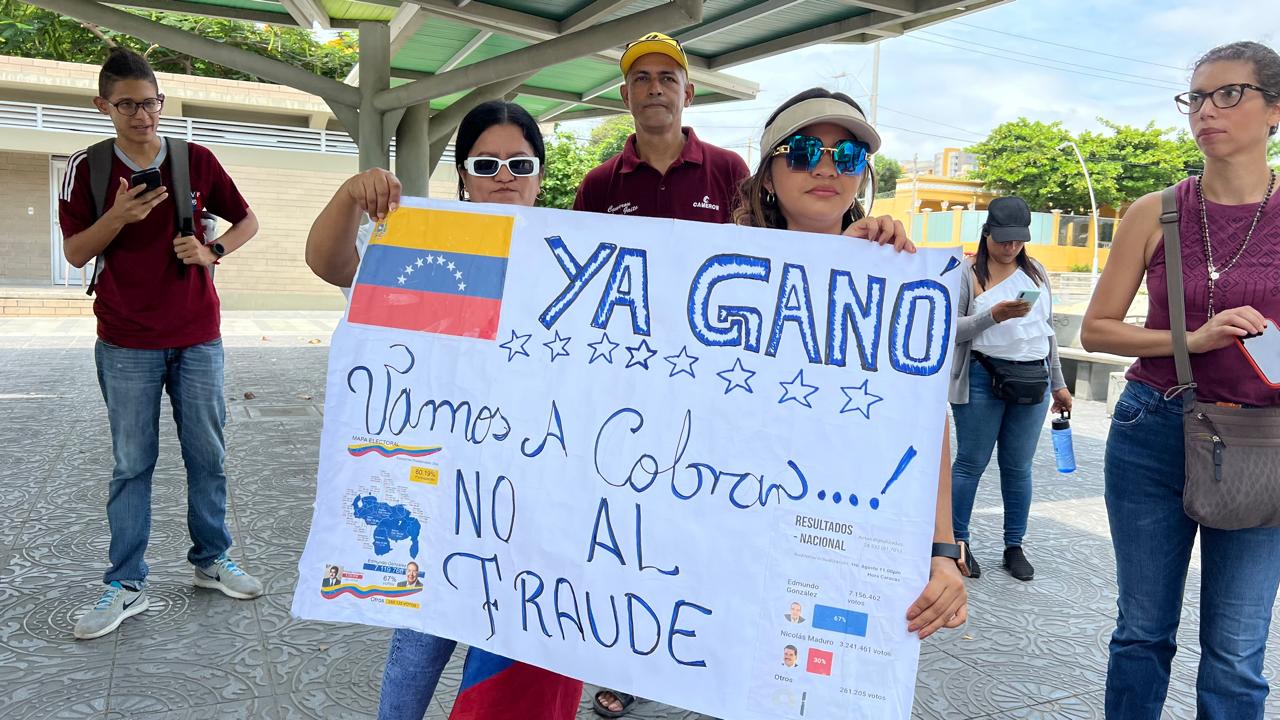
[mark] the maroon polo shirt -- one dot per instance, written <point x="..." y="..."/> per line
<point x="701" y="185"/>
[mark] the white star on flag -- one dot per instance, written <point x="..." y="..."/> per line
<point x="401" y="279"/>
<point x="462" y="286"/>
<point x="457" y="275"/>
<point x="408" y="269"/>
<point x="419" y="263"/>
<point x="451" y="266"/>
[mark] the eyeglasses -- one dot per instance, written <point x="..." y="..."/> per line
<point x="129" y="108"/>
<point x="804" y="152"/>
<point x="1227" y="96"/>
<point x="521" y="166"/>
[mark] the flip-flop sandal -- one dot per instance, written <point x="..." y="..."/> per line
<point x="603" y="710"/>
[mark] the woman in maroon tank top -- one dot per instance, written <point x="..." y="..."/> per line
<point x="1229" y="224"/>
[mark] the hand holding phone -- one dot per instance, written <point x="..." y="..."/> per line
<point x="1029" y="296"/>
<point x="149" y="178"/>
<point x="133" y="203"/>
<point x="1263" y="352"/>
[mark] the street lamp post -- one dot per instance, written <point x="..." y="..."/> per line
<point x="1093" y="207"/>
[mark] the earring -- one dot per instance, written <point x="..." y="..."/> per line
<point x="769" y="197"/>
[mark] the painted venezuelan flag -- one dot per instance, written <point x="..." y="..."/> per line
<point x="495" y="688"/>
<point x="436" y="271"/>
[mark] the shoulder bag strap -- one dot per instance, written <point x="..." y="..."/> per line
<point x="1177" y="301"/>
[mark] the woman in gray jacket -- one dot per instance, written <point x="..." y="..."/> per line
<point x="1006" y="362"/>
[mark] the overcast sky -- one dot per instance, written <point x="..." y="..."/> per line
<point x="951" y="83"/>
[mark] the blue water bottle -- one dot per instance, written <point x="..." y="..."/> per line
<point x="1062" y="449"/>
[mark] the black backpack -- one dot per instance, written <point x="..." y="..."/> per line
<point x="100" y="156"/>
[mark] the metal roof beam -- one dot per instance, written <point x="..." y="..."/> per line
<point x="592" y="13"/>
<point x="308" y="13"/>
<point x="833" y="32"/>
<point x="758" y="10"/>
<point x="674" y="14"/>
<point x="533" y="29"/>
<point x="466" y="50"/>
<point x="224" y="13"/>
<point x="447" y="120"/>
<point x="893" y="7"/>
<point x="556" y="111"/>
<point x="200" y="47"/>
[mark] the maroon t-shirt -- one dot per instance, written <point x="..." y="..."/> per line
<point x="143" y="300"/>
<point x="701" y="185"/>
<point x="1223" y="375"/>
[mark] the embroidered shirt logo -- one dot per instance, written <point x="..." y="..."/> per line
<point x="625" y="208"/>
<point x="706" y="204"/>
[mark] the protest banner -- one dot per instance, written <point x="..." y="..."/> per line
<point x="693" y="462"/>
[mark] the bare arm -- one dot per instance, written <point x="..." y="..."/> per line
<point x="240" y="233"/>
<point x="944" y="601"/>
<point x="1104" y="328"/>
<point x="331" y="244"/>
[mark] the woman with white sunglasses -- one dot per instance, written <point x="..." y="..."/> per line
<point x="500" y="156"/>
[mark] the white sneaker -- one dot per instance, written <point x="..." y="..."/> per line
<point x="227" y="577"/>
<point x="116" y="604"/>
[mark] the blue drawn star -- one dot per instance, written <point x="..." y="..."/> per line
<point x="862" y="402"/>
<point x="557" y="346"/>
<point x="681" y="363"/>
<point x="736" y="377"/>
<point x="511" y="346"/>
<point x="597" y="353"/>
<point x="789" y="390"/>
<point x="641" y="349"/>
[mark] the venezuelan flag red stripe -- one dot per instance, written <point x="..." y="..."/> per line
<point x="425" y="311"/>
<point x="496" y="688"/>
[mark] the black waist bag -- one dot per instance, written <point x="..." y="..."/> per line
<point x="1017" y="382"/>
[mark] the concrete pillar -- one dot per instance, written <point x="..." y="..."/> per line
<point x="413" y="150"/>
<point x="375" y="77"/>
<point x="1055" y="225"/>
<point x="318" y="121"/>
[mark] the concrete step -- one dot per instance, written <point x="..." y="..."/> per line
<point x="44" y="301"/>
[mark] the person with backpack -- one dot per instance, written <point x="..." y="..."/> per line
<point x="158" y="326"/>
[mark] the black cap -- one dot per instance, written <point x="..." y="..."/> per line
<point x="1008" y="220"/>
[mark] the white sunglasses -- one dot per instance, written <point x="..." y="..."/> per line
<point x="520" y="166"/>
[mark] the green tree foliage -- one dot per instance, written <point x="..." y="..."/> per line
<point x="569" y="159"/>
<point x="32" y="32"/>
<point x="1027" y="158"/>
<point x="888" y="171"/>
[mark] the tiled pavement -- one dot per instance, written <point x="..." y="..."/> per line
<point x="1033" y="650"/>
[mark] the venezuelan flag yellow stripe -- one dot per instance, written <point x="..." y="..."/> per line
<point x="447" y="231"/>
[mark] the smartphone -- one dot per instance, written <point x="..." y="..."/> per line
<point x="1263" y="352"/>
<point x="149" y="177"/>
<point x="1029" y="296"/>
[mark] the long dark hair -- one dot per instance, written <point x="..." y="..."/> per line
<point x="486" y="115"/>
<point x="983" y="275"/>
<point x="758" y="207"/>
<point x="123" y="64"/>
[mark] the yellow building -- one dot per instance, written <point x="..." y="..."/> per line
<point x="940" y="210"/>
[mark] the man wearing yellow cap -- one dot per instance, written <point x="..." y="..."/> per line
<point x="664" y="170"/>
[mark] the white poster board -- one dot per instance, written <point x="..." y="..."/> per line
<point x="693" y="462"/>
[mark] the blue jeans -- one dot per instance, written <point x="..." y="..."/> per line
<point x="1153" y="537"/>
<point x="131" y="382"/>
<point x="982" y="424"/>
<point x="414" y="663"/>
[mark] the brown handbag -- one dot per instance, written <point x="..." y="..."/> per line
<point x="1232" y="453"/>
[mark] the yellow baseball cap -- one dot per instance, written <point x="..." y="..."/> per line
<point x="653" y="43"/>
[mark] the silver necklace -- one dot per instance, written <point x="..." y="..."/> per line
<point x="1216" y="272"/>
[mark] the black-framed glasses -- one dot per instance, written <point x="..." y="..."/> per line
<point x="804" y="152"/>
<point x="521" y="166"/>
<point x="1227" y="96"/>
<point x="129" y="107"/>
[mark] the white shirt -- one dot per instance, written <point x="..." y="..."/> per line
<point x="1024" y="338"/>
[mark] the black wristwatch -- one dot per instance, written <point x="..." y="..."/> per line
<point x="946" y="550"/>
<point x="218" y="249"/>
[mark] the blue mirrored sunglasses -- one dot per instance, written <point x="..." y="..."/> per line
<point x="803" y="152"/>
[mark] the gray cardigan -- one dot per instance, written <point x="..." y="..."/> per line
<point x="971" y="326"/>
